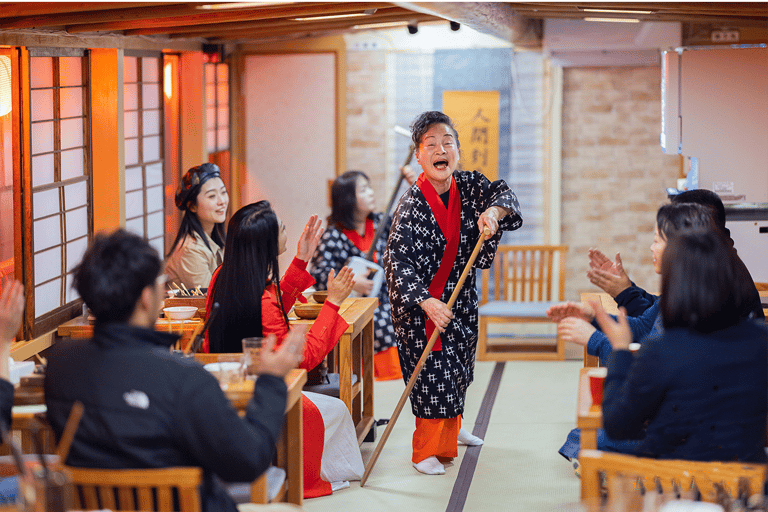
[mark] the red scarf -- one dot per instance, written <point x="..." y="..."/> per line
<point x="362" y="242"/>
<point x="449" y="221"/>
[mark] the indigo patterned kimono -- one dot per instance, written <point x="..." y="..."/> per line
<point x="332" y="252"/>
<point x="412" y="259"/>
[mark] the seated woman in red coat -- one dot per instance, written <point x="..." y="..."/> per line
<point x="253" y="302"/>
<point x="699" y="389"/>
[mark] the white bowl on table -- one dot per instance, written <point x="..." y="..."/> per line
<point x="180" y="312"/>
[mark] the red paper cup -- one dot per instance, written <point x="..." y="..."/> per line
<point x="596" y="382"/>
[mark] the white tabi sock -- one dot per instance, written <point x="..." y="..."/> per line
<point x="430" y="466"/>
<point x="468" y="439"/>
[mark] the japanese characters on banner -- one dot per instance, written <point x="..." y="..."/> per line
<point x="475" y="115"/>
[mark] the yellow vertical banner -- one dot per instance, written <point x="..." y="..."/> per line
<point x="475" y="115"/>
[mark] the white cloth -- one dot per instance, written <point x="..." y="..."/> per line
<point x="341" y="454"/>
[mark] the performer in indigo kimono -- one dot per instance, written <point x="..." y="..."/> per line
<point x="437" y="224"/>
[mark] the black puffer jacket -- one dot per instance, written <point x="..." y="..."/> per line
<point x="146" y="408"/>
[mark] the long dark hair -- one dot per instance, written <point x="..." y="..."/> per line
<point x="250" y="264"/>
<point x="700" y="285"/>
<point x="344" y="200"/>
<point x="191" y="224"/>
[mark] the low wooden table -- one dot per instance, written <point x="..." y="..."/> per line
<point x="589" y="418"/>
<point x="79" y="327"/>
<point x="290" y="456"/>
<point x="353" y="355"/>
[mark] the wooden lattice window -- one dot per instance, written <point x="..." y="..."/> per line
<point x="217" y="106"/>
<point x="60" y="225"/>
<point x="144" y="147"/>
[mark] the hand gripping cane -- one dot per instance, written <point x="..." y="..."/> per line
<point x="421" y="362"/>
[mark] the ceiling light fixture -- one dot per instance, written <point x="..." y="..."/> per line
<point x="331" y="17"/>
<point x="615" y="11"/>
<point x="380" y="25"/>
<point x="239" y="5"/>
<point x="614" y="20"/>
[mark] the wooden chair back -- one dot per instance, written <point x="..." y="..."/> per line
<point x="525" y="273"/>
<point x="136" y="489"/>
<point x="610" y="306"/>
<point x="596" y="464"/>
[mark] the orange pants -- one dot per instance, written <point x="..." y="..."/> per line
<point x="386" y="365"/>
<point x="438" y="437"/>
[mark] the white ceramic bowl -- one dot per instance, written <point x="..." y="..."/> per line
<point x="180" y="312"/>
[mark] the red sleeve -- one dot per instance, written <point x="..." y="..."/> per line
<point x="208" y="306"/>
<point x="295" y="281"/>
<point x="272" y="320"/>
<point x="323" y="335"/>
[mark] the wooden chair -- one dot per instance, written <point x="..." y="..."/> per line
<point x="610" y="306"/>
<point x="136" y="489"/>
<point x="522" y="283"/>
<point x="598" y="469"/>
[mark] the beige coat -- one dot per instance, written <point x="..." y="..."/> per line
<point x="192" y="263"/>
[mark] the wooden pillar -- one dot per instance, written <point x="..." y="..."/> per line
<point x="108" y="168"/>
<point x="192" y="114"/>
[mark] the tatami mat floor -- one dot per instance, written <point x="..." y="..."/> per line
<point x="518" y="467"/>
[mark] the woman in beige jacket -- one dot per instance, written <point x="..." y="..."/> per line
<point x="199" y="246"/>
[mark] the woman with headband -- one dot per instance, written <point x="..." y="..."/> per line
<point x="199" y="246"/>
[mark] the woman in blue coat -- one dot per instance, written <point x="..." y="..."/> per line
<point x="699" y="389"/>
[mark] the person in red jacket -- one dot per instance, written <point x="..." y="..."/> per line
<point x="253" y="301"/>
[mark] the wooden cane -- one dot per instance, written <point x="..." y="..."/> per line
<point x="421" y="362"/>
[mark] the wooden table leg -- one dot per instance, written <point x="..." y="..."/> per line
<point x="367" y="341"/>
<point x="345" y="370"/>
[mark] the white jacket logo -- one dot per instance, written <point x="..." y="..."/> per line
<point x="138" y="399"/>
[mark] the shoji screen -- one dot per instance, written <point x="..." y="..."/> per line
<point x="144" y="147"/>
<point x="60" y="166"/>
<point x="217" y="106"/>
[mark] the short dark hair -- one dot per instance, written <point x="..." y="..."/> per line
<point x="704" y="197"/>
<point x="674" y="218"/>
<point x="344" y="199"/>
<point x="700" y="285"/>
<point x="113" y="272"/>
<point x="425" y="121"/>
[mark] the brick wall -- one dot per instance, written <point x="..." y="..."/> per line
<point x="614" y="171"/>
<point x="366" y="119"/>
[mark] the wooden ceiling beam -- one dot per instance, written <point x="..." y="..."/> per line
<point x="310" y="28"/>
<point x="193" y="30"/>
<point x="210" y="17"/>
<point x="144" y="12"/>
<point x="24" y="9"/>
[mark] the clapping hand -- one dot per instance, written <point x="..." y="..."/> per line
<point x="575" y="330"/>
<point x="606" y="274"/>
<point x="558" y="312"/>
<point x="340" y="286"/>
<point x="11" y="310"/>
<point x="309" y="238"/>
<point x="617" y="331"/>
<point x="287" y="357"/>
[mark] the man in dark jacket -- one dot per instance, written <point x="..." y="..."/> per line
<point x="148" y="408"/>
<point x="11" y="310"/>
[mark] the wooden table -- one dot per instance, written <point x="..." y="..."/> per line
<point x="353" y="355"/>
<point x="589" y="418"/>
<point x="290" y="456"/>
<point x="79" y="327"/>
